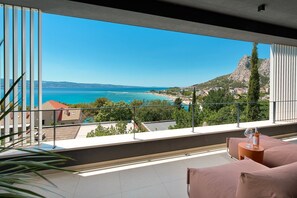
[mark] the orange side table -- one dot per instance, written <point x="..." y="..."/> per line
<point x="254" y="153"/>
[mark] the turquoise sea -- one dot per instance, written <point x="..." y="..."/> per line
<point x="86" y="95"/>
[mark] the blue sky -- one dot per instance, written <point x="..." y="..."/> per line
<point x="81" y="50"/>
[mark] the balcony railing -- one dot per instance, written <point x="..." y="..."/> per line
<point x="62" y="124"/>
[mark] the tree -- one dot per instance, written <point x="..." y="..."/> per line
<point x="136" y="103"/>
<point x="110" y="111"/>
<point x="194" y="98"/>
<point x="182" y="119"/>
<point x="155" y="110"/>
<point x="224" y="115"/>
<point x="119" y="128"/>
<point x="215" y="100"/>
<point x="178" y="103"/>
<point x="253" y="108"/>
<point x="99" y="102"/>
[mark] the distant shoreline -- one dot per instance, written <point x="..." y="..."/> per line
<point x="81" y="95"/>
<point x="185" y="101"/>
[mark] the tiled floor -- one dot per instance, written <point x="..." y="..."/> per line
<point x="162" y="178"/>
<point x="152" y="179"/>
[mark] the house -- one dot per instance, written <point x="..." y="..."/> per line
<point x="56" y="112"/>
<point x="19" y="123"/>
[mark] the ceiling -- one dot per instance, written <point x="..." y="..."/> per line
<point x="235" y="19"/>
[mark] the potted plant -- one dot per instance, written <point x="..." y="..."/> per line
<point x="18" y="171"/>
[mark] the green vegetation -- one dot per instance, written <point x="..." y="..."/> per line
<point x="122" y="113"/>
<point x="182" y="118"/>
<point x="154" y="110"/>
<point x="224" y="115"/>
<point x="253" y="108"/>
<point x="194" y="98"/>
<point x="173" y="90"/>
<point x="110" y="111"/>
<point x="264" y="80"/>
<point x="222" y="82"/>
<point x="215" y="100"/>
<point x="178" y="103"/>
<point x="186" y="92"/>
<point x="218" y="107"/>
<point x="120" y="128"/>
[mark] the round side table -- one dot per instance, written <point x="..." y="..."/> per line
<point x="254" y="153"/>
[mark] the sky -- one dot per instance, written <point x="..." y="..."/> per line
<point x="88" y="51"/>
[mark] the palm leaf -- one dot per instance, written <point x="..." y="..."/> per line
<point x="10" y="195"/>
<point x="44" y="152"/>
<point x="18" y="190"/>
<point x="9" y="108"/>
<point x="22" y="169"/>
<point x="11" y="89"/>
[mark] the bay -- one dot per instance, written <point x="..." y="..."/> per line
<point x="87" y="95"/>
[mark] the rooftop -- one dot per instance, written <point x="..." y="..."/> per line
<point x="158" y="125"/>
<point x="51" y="104"/>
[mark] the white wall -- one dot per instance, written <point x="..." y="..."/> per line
<point x="283" y="81"/>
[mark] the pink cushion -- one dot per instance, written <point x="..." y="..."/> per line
<point x="275" y="182"/>
<point x="265" y="141"/>
<point x="280" y="155"/>
<point x="269" y="142"/>
<point x="220" y="181"/>
<point x="233" y="146"/>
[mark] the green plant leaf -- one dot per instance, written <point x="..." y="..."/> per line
<point x="17" y="190"/>
<point x="22" y="169"/>
<point x="11" y="89"/>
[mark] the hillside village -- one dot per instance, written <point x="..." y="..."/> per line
<point x="236" y="83"/>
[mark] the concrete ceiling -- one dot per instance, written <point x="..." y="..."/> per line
<point x="235" y="19"/>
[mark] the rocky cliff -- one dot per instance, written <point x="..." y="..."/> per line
<point x="240" y="77"/>
<point x="242" y="72"/>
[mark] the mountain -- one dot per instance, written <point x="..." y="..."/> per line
<point x="242" y="72"/>
<point x="52" y="84"/>
<point x="240" y="77"/>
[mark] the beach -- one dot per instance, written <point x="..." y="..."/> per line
<point x="185" y="100"/>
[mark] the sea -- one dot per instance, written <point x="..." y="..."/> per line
<point x="87" y="95"/>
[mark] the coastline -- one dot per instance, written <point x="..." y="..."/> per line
<point x="185" y="101"/>
<point x="77" y="95"/>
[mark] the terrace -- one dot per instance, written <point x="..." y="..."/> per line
<point x="150" y="176"/>
<point x="154" y="164"/>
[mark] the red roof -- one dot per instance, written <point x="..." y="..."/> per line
<point x="57" y="105"/>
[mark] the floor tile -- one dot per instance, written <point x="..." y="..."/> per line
<point x="138" y="178"/>
<point x="117" y="195"/>
<point x="177" y="189"/>
<point x="65" y="185"/>
<point x="171" y="171"/>
<point x="155" y="191"/>
<point x="98" y="185"/>
<point x="47" y="190"/>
